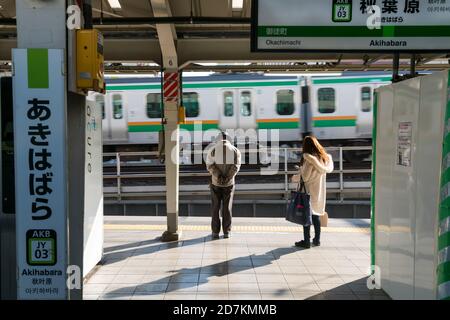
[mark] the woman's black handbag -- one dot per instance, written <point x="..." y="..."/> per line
<point x="299" y="209"/>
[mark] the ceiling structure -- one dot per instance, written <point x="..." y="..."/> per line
<point x="209" y="35"/>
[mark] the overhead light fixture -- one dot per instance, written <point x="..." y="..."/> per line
<point x="306" y="74"/>
<point x="213" y="64"/>
<point x="237" y="4"/>
<point x="114" y="4"/>
<point x="128" y="75"/>
<point x="197" y="73"/>
<point x="207" y="64"/>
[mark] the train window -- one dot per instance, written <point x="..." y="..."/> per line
<point x="190" y="102"/>
<point x="327" y="100"/>
<point x="117" y="106"/>
<point x="366" y="99"/>
<point x="285" y="102"/>
<point x="100" y="99"/>
<point x="246" y="103"/>
<point x="228" y="104"/>
<point x="154" y="105"/>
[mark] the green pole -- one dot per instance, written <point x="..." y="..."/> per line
<point x="374" y="157"/>
<point x="443" y="261"/>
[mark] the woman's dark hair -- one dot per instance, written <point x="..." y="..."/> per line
<point x="312" y="146"/>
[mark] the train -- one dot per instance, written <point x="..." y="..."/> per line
<point x="337" y="110"/>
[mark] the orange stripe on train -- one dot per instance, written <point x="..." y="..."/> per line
<point x="278" y="120"/>
<point x="335" y="118"/>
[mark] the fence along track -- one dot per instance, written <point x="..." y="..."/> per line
<point x="343" y="187"/>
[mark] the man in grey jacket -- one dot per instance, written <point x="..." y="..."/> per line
<point x="223" y="162"/>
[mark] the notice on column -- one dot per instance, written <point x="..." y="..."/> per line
<point x="404" y="137"/>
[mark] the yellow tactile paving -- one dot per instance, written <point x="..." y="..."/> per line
<point x="137" y="227"/>
<point x="399" y="229"/>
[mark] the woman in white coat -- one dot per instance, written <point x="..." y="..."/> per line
<point x="314" y="166"/>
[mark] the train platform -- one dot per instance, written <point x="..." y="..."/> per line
<point x="259" y="261"/>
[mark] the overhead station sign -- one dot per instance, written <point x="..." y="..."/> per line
<point x="351" y="25"/>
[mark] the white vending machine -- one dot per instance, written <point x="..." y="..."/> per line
<point x="411" y="216"/>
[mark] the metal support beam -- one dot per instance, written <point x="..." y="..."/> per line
<point x="191" y="50"/>
<point x="413" y="65"/>
<point x="167" y="37"/>
<point x="395" y="67"/>
<point x="368" y="61"/>
<point x="146" y="50"/>
<point x="118" y="20"/>
<point x="87" y="14"/>
<point x="423" y="61"/>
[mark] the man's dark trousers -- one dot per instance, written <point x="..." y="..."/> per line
<point x="221" y="196"/>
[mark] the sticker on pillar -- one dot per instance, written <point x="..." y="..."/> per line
<point x="404" y="141"/>
<point x="41" y="247"/>
<point x="171" y="86"/>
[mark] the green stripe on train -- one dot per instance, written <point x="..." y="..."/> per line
<point x="261" y="125"/>
<point x="157" y="127"/>
<point x="135" y="87"/>
<point x="278" y="125"/>
<point x="334" y="123"/>
<point x="207" y="85"/>
<point x="351" y="80"/>
<point x="205" y="126"/>
<point x="145" y="128"/>
<point x="248" y="84"/>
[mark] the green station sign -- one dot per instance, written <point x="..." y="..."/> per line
<point x="351" y="25"/>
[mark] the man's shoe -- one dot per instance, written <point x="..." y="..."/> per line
<point x="316" y="243"/>
<point x="215" y="235"/>
<point x="303" y="244"/>
<point x="227" y="235"/>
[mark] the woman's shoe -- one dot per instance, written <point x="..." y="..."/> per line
<point x="215" y="236"/>
<point x="303" y="244"/>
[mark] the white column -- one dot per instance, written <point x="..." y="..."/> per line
<point x="167" y="37"/>
<point x="42" y="24"/>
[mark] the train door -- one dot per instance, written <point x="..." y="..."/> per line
<point x="364" y="111"/>
<point x="100" y="100"/>
<point x="118" y="118"/>
<point x="238" y="109"/>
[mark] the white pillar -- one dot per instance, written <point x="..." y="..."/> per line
<point x="171" y="136"/>
<point x="166" y="36"/>
<point x="42" y="24"/>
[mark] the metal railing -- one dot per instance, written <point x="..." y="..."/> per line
<point x="343" y="186"/>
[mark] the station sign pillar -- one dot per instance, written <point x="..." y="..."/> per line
<point x="41" y="178"/>
<point x="50" y="159"/>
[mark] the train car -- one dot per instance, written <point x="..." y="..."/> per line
<point x="341" y="108"/>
